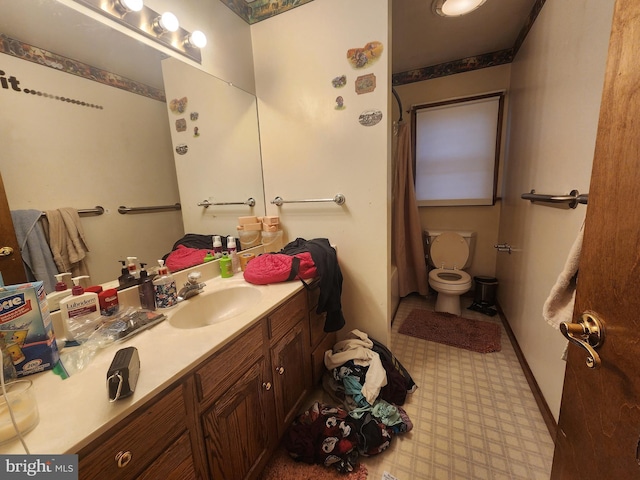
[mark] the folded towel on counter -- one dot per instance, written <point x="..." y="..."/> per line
<point x="558" y="307"/>
<point x="35" y="251"/>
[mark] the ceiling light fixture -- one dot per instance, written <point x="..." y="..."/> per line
<point x="167" y="22"/>
<point x="456" y="8"/>
<point x="196" y="39"/>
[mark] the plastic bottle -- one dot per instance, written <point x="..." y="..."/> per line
<point x="233" y="253"/>
<point x="208" y="257"/>
<point x="146" y="290"/>
<point x="131" y="266"/>
<point x="62" y="291"/>
<point x="78" y="304"/>
<point x="217" y="246"/>
<point x="125" y="279"/>
<point x="164" y="287"/>
<point x="226" y="270"/>
<point x="108" y="301"/>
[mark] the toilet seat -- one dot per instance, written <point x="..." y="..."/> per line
<point x="449" y="251"/>
<point x="445" y="276"/>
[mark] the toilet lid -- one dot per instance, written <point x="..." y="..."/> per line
<point x="449" y="250"/>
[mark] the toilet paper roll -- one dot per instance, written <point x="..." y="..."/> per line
<point x="244" y="259"/>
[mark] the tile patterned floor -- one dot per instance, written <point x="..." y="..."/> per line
<point x="474" y="415"/>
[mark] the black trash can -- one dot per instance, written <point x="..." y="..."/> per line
<point x="486" y="288"/>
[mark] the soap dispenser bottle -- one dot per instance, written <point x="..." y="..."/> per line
<point x="125" y="279"/>
<point x="79" y="304"/>
<point x="146" y="290"/>
<point x="217" y="246"/>
<point x="131" y="266"/>
<point x="61" y="291"/>
<point x="233" y="253"/>
<point x="164" y="287"/>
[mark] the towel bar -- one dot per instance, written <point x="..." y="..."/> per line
<point x="573" y="199"/>
<point x="206" y="203"/>
<point x="159" y="208"/>
<point x="338" y="199"/>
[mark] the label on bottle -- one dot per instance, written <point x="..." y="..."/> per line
<point x="166" y="295"/>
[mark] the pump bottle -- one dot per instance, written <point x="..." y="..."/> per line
<point x="79" y="304"/>
<point x="233" y="253"/>
<point x="217" y="246"/>
<point x="164" y="287"/>
<point x="146" y="290"/>
<point x="62" y="291"/>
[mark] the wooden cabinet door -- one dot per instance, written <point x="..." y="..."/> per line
<point x="290" y="360"/>
<point x="239" y="429"/>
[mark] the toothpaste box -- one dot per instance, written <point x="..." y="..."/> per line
<point x="25" y="326"/>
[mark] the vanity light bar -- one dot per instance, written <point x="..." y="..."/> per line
<point x="146" y="22"/>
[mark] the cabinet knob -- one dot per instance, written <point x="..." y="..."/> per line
<point x="280" y="370"/>
<point x="266" y="385"/>
<point x="123" y="459"/>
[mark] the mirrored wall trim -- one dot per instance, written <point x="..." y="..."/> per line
<point x="158" y="208"/>
<point x="31" y="53"/>
<point x="142" y="22"/>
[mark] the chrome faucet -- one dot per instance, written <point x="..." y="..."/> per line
<point x="192" y="288"/>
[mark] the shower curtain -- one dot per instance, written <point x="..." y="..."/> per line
<point x="408" y="248"/>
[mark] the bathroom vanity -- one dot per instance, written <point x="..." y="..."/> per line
<point x="211" y="402"/>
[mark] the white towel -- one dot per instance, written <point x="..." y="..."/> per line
<point x="558" y="307"/>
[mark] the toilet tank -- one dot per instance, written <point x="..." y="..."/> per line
<point x="470" y="238"/>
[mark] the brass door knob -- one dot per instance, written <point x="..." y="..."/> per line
<point x="587" y="333"/>
<point x="6" y="251"/>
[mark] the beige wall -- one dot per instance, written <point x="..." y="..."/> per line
<point x="484" y="220"/>
<point x="311" y="150"/>
<point x="556" y="85"/>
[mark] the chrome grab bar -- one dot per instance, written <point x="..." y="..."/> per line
<point x="158" y="208"/>
<point x="206" y="203"/>
<point x="86" y="212"/>
<point x="338" y="199"/>
<point x="573" y="199"/>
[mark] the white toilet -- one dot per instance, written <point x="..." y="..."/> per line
<point x="449" y="253"/>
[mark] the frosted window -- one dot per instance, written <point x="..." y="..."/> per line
<point x="456" y="151"/>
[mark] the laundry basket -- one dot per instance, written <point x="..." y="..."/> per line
<point x="485" y="293"/>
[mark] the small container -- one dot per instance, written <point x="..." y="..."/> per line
<point x="249" y="238"/>
<point x="272" y="241"/>
<point x="208" y="257"/>
<point x="164" y="287"/>
<point x="22" y="399"/>
<point x="108" y="301"/>
<point x="233" y="253"/>
<point x="217" y="246"/>
<point x="226" y="268"/>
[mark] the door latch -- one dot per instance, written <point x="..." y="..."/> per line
<point x="587" y="333"/>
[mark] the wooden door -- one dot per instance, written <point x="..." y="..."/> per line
<point x="11" y="265"/>
<point x="599" y="426"/>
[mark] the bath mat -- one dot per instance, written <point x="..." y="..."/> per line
<point x="450" y="329"/>
<point x="283" y="467"/>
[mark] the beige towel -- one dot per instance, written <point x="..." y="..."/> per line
<point x="558" y="307"/>
<point x="67" y="241"/>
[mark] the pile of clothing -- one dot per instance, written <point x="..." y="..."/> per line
<point x="371" y="385"/>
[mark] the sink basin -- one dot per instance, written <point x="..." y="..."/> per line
<point x="214" y="307"/>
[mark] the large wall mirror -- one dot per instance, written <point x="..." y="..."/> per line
<point x="103" y="137"/>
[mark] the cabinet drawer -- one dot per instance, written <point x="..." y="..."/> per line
<point x="285" y="317"/>
<point x="125" y="451"/>
<point x="175" y="464"/>
<point x="317" y="356"/>
<point x="226" y="365"/>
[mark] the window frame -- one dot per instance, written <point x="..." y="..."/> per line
<point x="498" y="142"/>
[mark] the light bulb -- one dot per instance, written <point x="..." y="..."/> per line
<point x="168" y="22"/>
<point x="197" y="39"/>
<point x="456" y="8"/>
<point x="131" y="5"/>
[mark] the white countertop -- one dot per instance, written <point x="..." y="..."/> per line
<point x="75" y="411"/>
